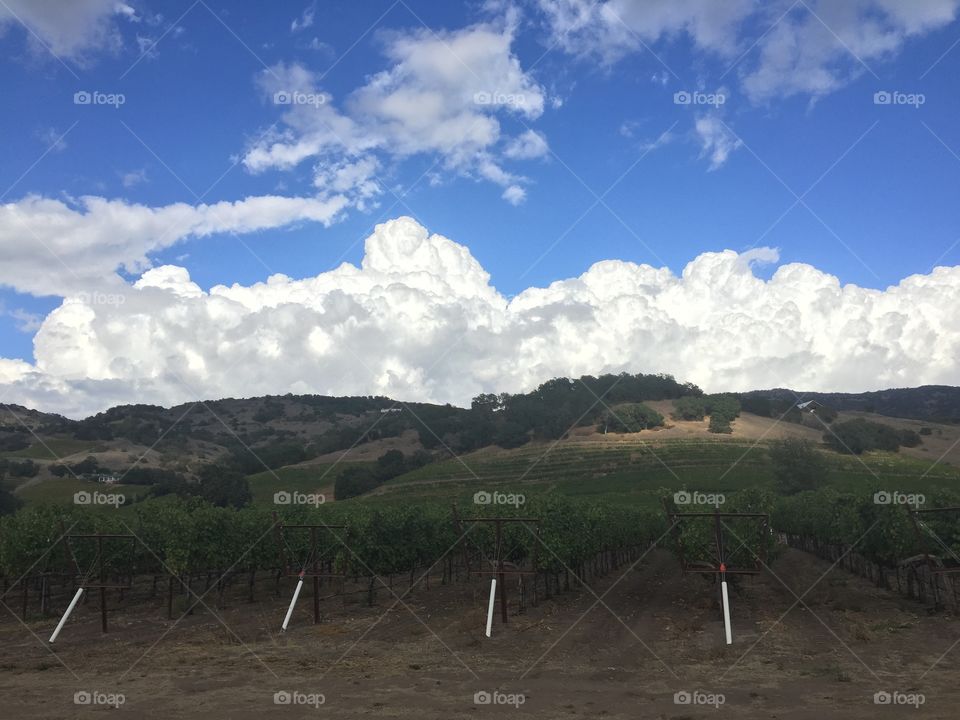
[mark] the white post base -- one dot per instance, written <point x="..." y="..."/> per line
<point x="70" y="607"/>
<point x="726" y="613"/>
<point x="293" y="603"/>
<point x="493" y="597"/>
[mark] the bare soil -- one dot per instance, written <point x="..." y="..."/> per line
<point x="654" y="633"/>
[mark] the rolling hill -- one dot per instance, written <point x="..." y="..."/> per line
<point x="552" y="439"/>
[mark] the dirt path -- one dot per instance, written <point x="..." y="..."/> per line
<point x="656" y="633"/>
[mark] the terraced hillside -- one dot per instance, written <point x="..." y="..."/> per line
<point x="553" y="439"/>
<point x="636" y="466"/>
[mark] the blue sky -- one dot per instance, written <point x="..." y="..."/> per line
<point x="622" y="172"/>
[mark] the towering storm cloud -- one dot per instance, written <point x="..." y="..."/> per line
<point x="420" y="320"/>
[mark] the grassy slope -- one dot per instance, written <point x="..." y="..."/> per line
<point x="636" y="469"/>
<point x="313" y="478"/>
<point x="53" y="448"/>
<point x="301" y="478"/>
<point x="61" y="490"/>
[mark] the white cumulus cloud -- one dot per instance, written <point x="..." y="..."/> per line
<point x="530" y="144"/>
<point x="613" y="28"/>
<point x="305" y="20"/>
<point x="780" y="48"/>
<point x="67" y="28"/>
<point x="717" y="142"/>
<point x="515" y="195"/>
<point x="441" y="96"/>
<point x="819" y="47"/>
<point x="53" y="247"/>
<point x="420" y="320"/>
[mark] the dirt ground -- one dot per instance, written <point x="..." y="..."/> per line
<point x="655" y="633"/>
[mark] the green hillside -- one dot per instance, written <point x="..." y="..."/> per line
<point x="633" y="467"/>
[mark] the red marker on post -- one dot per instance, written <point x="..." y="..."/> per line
<point x="726" y="603"/>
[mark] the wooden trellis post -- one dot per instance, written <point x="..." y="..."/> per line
<point x="83" y="585"/>
<point x="316" y="570"/>
<point x="498" y="572"/>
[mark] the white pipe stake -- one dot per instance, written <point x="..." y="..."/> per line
<point x="493" y="597"/>
<point x="726" y="612"/>
<point x="293" y="602"/>
<point x="63" y="620"/>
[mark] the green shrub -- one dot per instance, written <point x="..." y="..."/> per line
<point x="690" y="408"/>
<point x="720" y="424"/>
<point x="908" y="438"/>
<point x="19" y="469"/>
<point x="797" y="466"/>
<point x="224" y="486"/>
<point x="696" y="408"/>
<point x="726" y="405"/>
<point x="860" y="435"/>
<point x="13" y="441"/>
<point x="355" y="480"/>
<point x="633" y="417"/>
